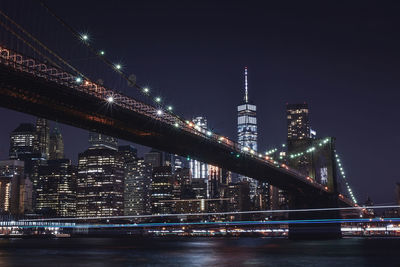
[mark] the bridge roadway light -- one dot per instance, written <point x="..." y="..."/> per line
<point x="158" y="99"/>
<point x="118" y="66"/>
<point x="110" y="99"/>
<point x="146" y="90"/>
<point x="102" y="52"/>
<point x="209" y="133"/>
<point x="85" y="37"/>
<point x="78" y="79"/>
<point x="169" y="108"/>
<point x="159" y="112"/>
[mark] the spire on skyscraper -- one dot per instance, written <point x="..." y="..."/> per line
<point x="246" y="93"/>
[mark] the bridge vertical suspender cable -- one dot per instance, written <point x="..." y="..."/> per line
<point x="102" y="58"/>
<point x="40" y="44"/>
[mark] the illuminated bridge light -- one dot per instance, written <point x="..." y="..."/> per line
<point x="169" y="108"/>
<point x="176" y="125"/>
<point x="118" y="66"/>
<point x="102" y="52"/>
<point x="158" y="99"/>
<point x="159" y="112"/>
<point x="146" y="90"/>
<point x="78" y="79"/>
<point x="209" y="133"/>
<point x="110" y="99"/>
<point x="85" y="37"/>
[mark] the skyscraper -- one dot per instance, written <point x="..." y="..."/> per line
<point x="247" y="130"/>
<point x="43" y="137"/>
<point x="56" y="150"/>
<point x="23" y="141"/>
<point x="128" y="153"/>
<point x="199" y="169"/>
<point x="101" y="140"/>
<point x="100" y="182"/>
<point x="298" y="123"/>
<point x="56" y="188"/>
<point x="161" y="190"/>
<point x="24" y="146"/>
<point x="154" y="157"/>
<point x="137" y="188"/>
<point x="15" y="188"/>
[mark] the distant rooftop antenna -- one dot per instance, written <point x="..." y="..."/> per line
<point x="246" y="93"/>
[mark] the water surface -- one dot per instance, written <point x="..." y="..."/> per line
<point x="199" y="252"/>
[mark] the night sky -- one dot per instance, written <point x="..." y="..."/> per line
<point x="341" y="57"/>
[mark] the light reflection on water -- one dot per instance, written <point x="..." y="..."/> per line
<point x="198" y="252"/>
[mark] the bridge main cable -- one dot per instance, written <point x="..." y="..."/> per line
<point x="39" y="43"/>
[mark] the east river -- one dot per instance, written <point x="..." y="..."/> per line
<point x="241" y="251"/>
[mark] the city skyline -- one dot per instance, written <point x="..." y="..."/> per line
<point x="278" y="78"/>
<point x="199" y="133"/>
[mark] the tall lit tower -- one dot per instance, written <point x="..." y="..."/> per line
<point x="43" y="137"/>
<point x="247" y="129"/>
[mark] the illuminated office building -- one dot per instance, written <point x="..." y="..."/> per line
<point x="137" y="188"/>
<point x="101" y="140"/>
<point x="56" y="188"/>
<point x="15" y="188"/>
<point x="247" y="131"/>
<point x="197" y="168"/>
<point x="23" y="141"/>
<point x="298" y="122"/>
<point x="43" y="137"/>
<point x="161" y="189"/>
<point x="100" y="179"/>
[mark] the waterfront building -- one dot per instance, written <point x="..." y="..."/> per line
<point x="161" y="189"/>
<point x="239" y="194"/>
<point x="138" y="177"/>
<point x="199" y="187"/>
<point x="15" y="188"/>
<point x="24" y="146"/>
<point x="100" y="180"/>
<point x="56" y="188"/>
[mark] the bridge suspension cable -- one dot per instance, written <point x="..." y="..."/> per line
<point x="312" y="149"/>
<point x="38" y="42"/>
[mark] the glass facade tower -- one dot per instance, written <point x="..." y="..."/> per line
<point x="247" y="130"/>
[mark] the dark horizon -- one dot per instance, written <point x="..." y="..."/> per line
<point x="341" y="59"/>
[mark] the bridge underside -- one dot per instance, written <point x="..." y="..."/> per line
<point x="317" y="224"/>
<point x="40" y="97"/>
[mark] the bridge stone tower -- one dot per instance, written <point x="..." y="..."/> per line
<point x="314" y="158"/>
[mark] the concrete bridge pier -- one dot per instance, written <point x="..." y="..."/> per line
<point x="304" y="227"/>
